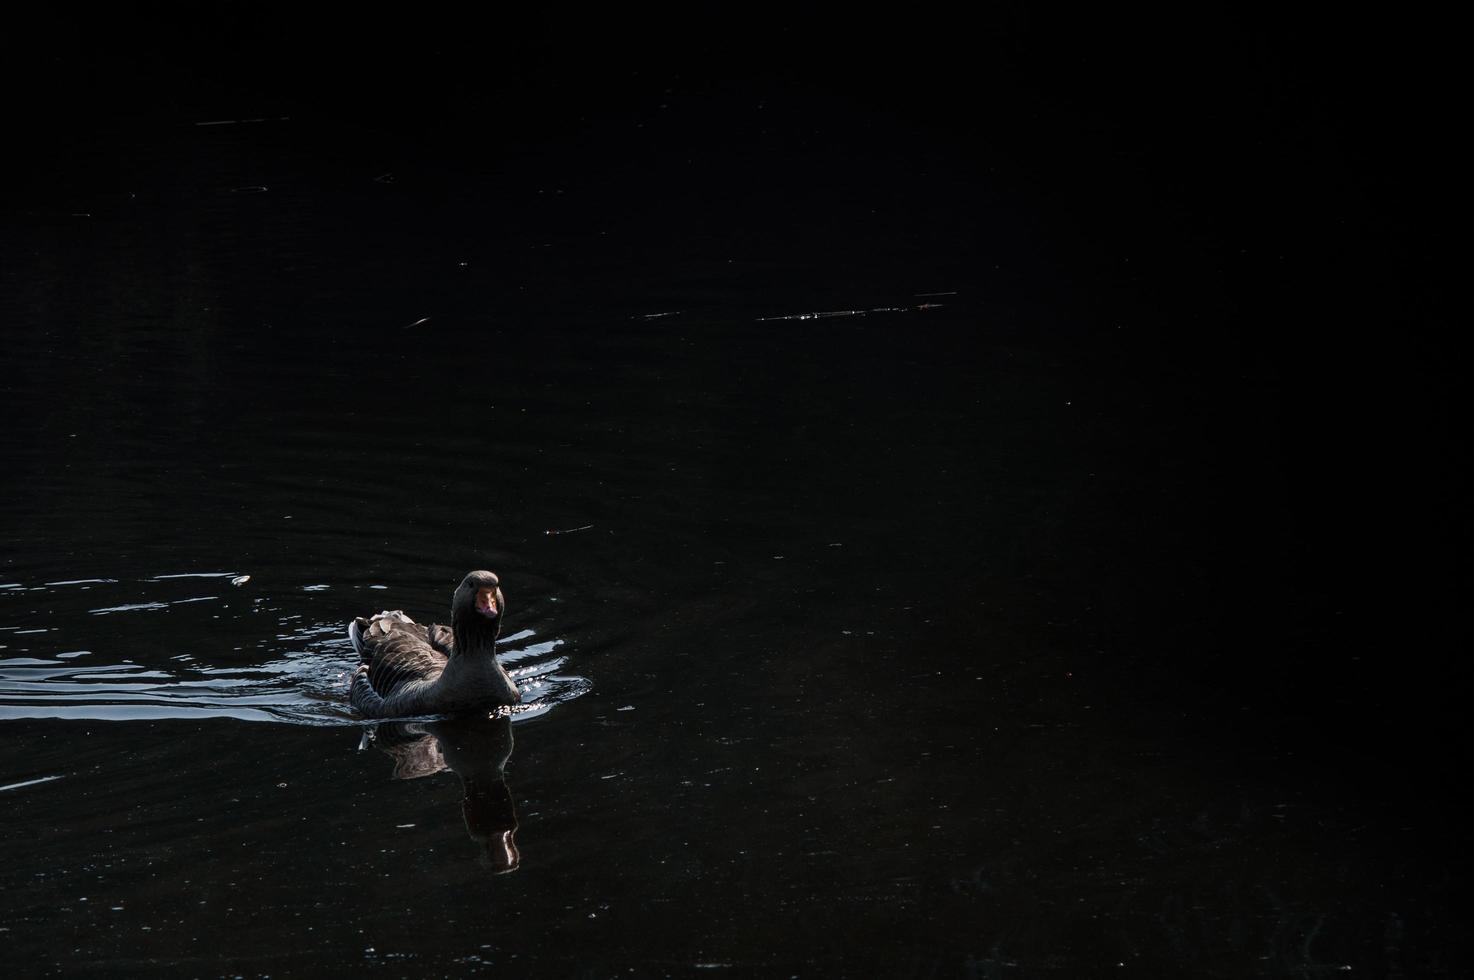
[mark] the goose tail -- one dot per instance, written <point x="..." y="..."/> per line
<point x="355" y="636"/>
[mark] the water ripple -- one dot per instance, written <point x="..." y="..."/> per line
<point x="299" y="674"/>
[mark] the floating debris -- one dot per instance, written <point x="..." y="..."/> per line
<point x="420" y="322"/>
<point x="236" y="122"/>
<point x="828" y="314"/>
<point x="824" y="314"/>
<point x="657" y="316"/>
<point x="240" y="580"/>
<point x="29" y="782"/>
<point x="570" y="530"/>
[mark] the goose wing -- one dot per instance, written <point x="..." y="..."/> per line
<point x="442" y="639"/>
<point x="397" y="650"/>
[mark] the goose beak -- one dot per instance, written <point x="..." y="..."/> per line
<point x="488" y="603"/>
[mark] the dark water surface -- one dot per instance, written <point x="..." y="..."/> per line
<point x="932" y="641"/>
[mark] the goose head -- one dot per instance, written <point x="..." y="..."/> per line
<point x="477" y="607"/>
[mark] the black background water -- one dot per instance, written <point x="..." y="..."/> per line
<point x="1084" y="606"/>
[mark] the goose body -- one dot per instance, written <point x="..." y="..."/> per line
<point x="406" y="669"/>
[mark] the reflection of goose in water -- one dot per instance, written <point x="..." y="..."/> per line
<point x="476" y="749"/>
<point x="407" y="669"/>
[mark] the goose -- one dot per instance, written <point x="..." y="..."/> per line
<point x="406" y="669"/>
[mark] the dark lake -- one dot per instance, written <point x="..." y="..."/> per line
<point x="934" y="546"/>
